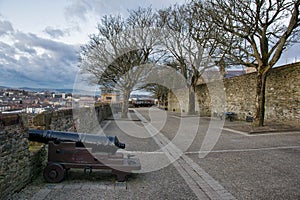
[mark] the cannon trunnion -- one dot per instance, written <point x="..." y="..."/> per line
<point x="72" y="150"/>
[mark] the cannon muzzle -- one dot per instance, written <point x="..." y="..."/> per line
<point x="109" y="144"/>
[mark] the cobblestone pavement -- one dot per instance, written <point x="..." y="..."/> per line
<point x="239" y="166"/>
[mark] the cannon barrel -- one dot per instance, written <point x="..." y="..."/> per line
<point x="96" y="142"/>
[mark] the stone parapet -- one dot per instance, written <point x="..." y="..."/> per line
<point x="21" y="160"/>
<point x="14" y="155"/>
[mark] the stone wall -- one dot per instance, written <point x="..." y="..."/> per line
<point x="239" y="96"/>
<point x="21" y="160"/>
<point x="178" y="101"/>
<point x="81" y="120"/>
<point x="282" y="95"/>
<point x="14" y="155"/>
<point x="59" y="120"/>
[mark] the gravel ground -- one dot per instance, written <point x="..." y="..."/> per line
<point x="269" y="174"/>
<point x="262" y="166"/>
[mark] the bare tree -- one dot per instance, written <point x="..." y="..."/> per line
<point x="186" y="54"/>
<point x="113" y="57"/>
<point x="209" y="35"/>
<point x="263" y="29"/>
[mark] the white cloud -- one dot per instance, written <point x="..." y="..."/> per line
<point x="37" y="62"/>
<point x="55" y="32"/>
<point x="5" y="27"/>
<point x="78" y="9"/>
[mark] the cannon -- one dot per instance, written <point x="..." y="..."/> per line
<point x="68" y="150"/>
<point x="98" y="143"/>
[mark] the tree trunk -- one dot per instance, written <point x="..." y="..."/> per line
<point x="159" y="100"/>
<point x="260" y="98"/>
<point x="191" y="106"/>
<point x="222" y="68"/>
<point x="125" y="104"/>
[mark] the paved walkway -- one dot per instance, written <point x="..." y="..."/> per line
<point x="202" y="184"/>
<point x="239" y="166"/>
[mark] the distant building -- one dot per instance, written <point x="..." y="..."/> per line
<point x="4" y="107"/>
<point x="250" y="70"/>
<point x="110" y="97"/>
<point x="34" y="110"/>
<point x="58" y="96"/>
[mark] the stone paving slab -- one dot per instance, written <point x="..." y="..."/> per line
<point x="45" y="191"/>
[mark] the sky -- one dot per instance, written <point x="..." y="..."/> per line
<point x="40" y="39"/>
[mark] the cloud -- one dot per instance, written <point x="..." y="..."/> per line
<point x="25" y="48"/>
<point x="6" y="48"/>
<point x="84" y="10"/>
<point x="54" y="33"/>
<point x="78" y="9"/>
<point x="37" y="62"/>
<point x="5" y="27"/>
<point x="81" y="9"/>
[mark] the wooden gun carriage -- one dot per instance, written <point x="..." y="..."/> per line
<point x="68" y="150"/>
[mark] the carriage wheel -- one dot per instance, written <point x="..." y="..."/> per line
<point x="54" y="173"/>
